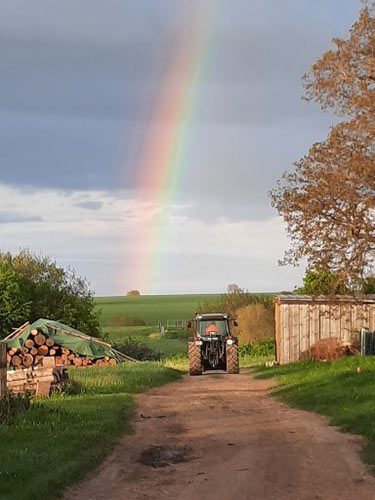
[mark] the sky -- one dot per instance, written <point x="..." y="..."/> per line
<point x="80" y="80"/>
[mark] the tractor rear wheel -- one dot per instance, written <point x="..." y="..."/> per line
<point x="232" y="359"/>
<point x="195" y="359"/>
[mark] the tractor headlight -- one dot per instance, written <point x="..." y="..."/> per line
<point x="229" y="341"/>
<point x="198" y="342"/>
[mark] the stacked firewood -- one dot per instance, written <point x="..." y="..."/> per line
<point x="38" y="346"/>
<point x="40" y="381"/>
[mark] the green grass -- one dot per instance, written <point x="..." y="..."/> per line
<point x="335" y="390"/>
<point x="150" y="308"/>
<point x="62" y="438"/>
<point x="251" y="361"/>
<point x="127" y="378"/>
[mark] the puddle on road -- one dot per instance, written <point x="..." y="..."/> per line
<point x="162" y="456"/>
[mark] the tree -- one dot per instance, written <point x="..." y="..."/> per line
<point x="53" y="292"/>
<point x="133" y="293"/>
<point x="328" y="201"/>
<point x="233" y="288"/>
<point x="14" y="305"/>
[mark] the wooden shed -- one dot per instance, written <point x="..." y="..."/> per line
<point x="301" y="321"/>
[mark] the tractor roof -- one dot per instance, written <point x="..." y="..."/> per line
<point x="212" y="316"/>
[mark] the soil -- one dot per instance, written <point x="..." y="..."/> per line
<point x="221" y="437"/>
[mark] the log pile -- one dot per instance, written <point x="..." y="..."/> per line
<point x="37" y="347"/>
<point x="39" y="381"/>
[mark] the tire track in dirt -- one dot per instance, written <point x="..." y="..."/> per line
<point x="224" y="439"/>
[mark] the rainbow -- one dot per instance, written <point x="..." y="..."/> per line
<point x="159" y="165"/>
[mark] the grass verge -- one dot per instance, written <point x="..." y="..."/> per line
<point x="60" y="439"/>
<point x="336" y="390"/>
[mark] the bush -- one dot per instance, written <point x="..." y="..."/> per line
<point x="133" y="293"/>
<point x="13" y="404"/>
<point x="262" y="348"/>
<point x="255" y="323"/>
<point x="122" y="320"/>
<point x="137" y="350"/>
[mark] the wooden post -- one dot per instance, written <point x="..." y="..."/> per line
<point x="3" y="369"/>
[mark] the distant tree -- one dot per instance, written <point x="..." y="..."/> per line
<point x="233" y="288"/>
<point x="328" y="201"/>
<point x="133" y="293"/>
<point x="51" y="291"/>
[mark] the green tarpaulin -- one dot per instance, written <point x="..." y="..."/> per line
<point x="67" y="337"/>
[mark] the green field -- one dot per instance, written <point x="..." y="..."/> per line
<point x="150" y="308"/>
<point x="336" y="390"/>
<point x="60" y="439"/>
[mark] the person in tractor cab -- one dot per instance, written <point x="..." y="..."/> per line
<point x="212" y="328"/>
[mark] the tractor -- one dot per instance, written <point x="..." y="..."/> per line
<point x="212" y="347"/>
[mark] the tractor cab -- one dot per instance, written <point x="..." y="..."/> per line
<point x="209" y="325"/>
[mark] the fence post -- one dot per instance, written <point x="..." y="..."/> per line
<point x="3" y="370"/>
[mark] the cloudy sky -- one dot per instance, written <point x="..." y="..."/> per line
<point x="79" y="82"/>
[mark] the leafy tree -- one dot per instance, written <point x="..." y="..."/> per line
<point x="328" y="200"/>
<point x="322" y="282"/>
<point x="53" y="292"/>
<point x="14" y="305"/>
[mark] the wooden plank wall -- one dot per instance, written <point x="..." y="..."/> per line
<point x="298" y="326"/>
<point x="3" y="369"/>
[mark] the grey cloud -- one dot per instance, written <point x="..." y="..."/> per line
<point x="80" y="80"/>
<point x="90" y="205"/>
<point x="15" y="218"/>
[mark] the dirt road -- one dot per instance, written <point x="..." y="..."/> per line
<point x="230" y="441"/>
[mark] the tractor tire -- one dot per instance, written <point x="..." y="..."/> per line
<point x="195" y="359"/>
<point x="232" y="359"/>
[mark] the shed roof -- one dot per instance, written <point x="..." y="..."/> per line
<point x="324" y="299"/>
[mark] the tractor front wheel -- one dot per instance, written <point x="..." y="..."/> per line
<point x="195" y="359"/>
<point x="232" y="359"/>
